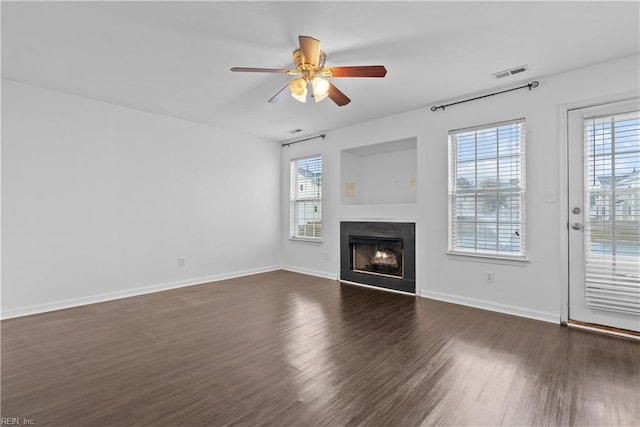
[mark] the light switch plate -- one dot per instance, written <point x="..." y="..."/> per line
<point x="549" y="196"/>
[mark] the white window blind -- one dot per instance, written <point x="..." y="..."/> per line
<point x="612" y="220"/>
<point x="306" y="198"/>
<point x="487" y="190"/>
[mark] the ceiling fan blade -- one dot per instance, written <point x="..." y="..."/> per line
<point x="280" y="95"/>
<point x="310" y="50"/>
<point x="337" y="96"/>
<point x="260" y="70"/>
<point x="359" y="71"/>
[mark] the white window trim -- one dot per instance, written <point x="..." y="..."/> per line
<point x="498" y="257"/>
<point x="306" y="240"/>
<point x="292" y="200"/>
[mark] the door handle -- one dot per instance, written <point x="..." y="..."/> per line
<point x="577" y="226"/>
<point x="576" y="210"/>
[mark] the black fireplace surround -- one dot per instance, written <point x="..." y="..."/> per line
<point x="394" y="239"/>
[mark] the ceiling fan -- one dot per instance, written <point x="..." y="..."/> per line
<point x="309" y="61"/>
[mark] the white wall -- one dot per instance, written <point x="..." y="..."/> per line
<point x="533" y="289"/>
<point x="99" y="201"/>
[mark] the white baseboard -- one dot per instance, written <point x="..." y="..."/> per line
<point x="322" y="274"/>
<point x="108" y="296"/>
<point x="491" y="306"/>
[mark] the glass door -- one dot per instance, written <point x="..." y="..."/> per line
<point x="604" y="215"/>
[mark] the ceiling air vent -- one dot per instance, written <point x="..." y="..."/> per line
<point x="298" y="130"/>
<point x="512" y="71"/>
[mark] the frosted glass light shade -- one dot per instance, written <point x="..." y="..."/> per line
<point x="320" y="88"/>
<point x="298" y="89"/>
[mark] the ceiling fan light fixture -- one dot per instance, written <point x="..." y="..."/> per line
<point x="298" y="89"/>
<point x="309" y="61"/>
<point x="320" y="88"/>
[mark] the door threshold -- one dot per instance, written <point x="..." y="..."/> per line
<point x="607" y="330"/>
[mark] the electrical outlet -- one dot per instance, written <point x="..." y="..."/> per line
<point x="182" y="261"/>
<point x="326" y="256"/>
<point x="488" y="276"/>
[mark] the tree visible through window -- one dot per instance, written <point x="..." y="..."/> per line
<point x="487" y="190"/>
<point x="306" y="198"/>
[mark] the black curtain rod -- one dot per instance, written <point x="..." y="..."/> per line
<point x="286" y="144"/>
<point x="531" y="85"/>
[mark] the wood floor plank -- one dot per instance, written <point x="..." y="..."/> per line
<point x="283" y="348"/>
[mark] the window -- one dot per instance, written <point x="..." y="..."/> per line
<point x="306" y="198"/>
<point x="487" y="190"/>
<point x="612" y="211"/>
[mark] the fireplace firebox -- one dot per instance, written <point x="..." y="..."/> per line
<point x="378" y="254"/>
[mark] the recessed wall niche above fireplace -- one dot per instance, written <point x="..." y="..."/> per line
<point x="379" y="254"/>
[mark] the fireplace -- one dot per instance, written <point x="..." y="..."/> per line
<point x="378" y="254"/>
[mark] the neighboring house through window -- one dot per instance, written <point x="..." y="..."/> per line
<point x="306" y="198"/>
<point x="487" y="190"/>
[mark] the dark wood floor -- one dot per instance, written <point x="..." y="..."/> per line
<point x="286" y="349"/>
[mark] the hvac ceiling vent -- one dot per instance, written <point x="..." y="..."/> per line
<point x="297" y="130"/>
<point x="511" y="72"/>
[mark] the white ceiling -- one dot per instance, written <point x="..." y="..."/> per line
<point x="173" y="58"/>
